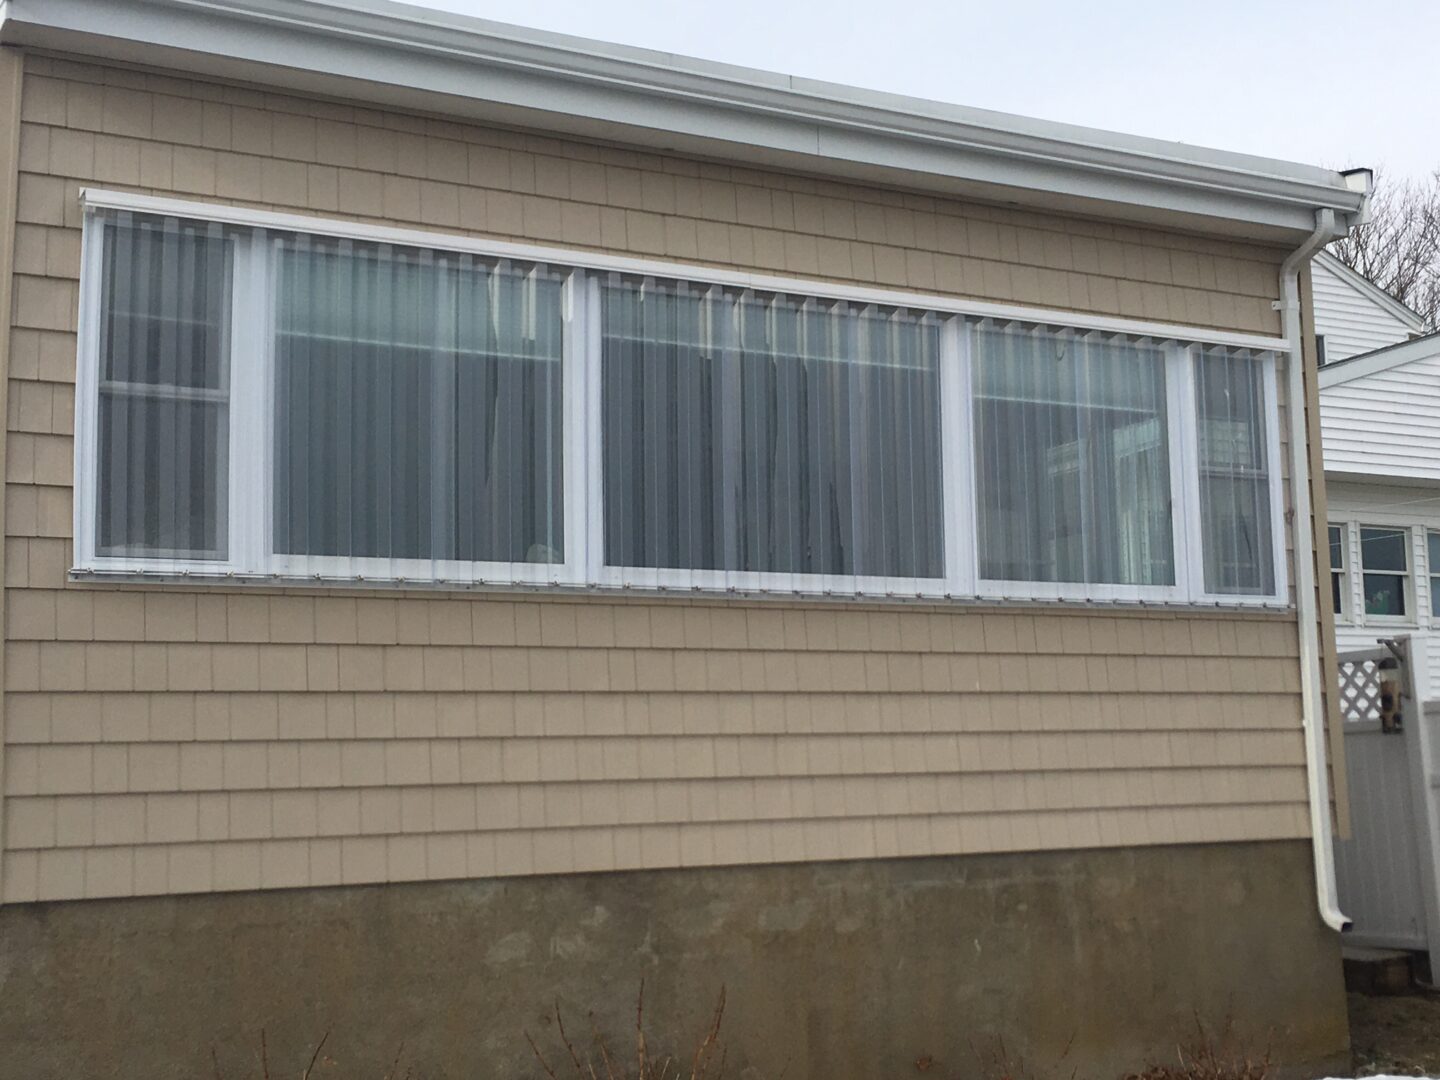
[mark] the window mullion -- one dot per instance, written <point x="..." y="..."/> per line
<point x="1188" y="531"/>
<point x="958" y="462"/>
<point x="252" y="340"/>
<point x="584" y="443"/>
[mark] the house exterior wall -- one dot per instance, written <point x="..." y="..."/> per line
<point x="1416" y="509"/>
<point x="173" y="739"/>
<point x="1351" y="322"/>
<point x="1386" y="423"/>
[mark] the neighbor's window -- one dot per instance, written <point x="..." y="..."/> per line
<point x="1235" y="481"/>
<point x="1385" y="566"/>
<point x="1339" y="587"/>
<point x="263" y="402"/>
<point x="1434" y="554"/>
<point x="769" y="434"/>
<point x="1073" y="458"/>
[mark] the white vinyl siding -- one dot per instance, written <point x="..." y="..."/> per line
<point x="410" y="413"/>
<point x="1415" y="511"/>
<point x="1351" y="321"/>
<point x="1385" y="423"/>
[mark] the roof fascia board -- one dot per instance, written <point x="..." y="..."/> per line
<point x="1373" y="292"/>
<point x="394" y="54"/>
<point x="1351" y="475"/>
<point x="1392" y="356"/>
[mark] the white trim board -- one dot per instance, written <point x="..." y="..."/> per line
<point x="1372" y="363"/>
<point x="407" y="57"/>
<point x="98" y="198"/>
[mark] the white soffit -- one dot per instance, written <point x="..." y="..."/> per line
<point x="414" y="58"/>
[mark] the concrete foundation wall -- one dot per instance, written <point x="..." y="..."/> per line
<point x="834" y="970"/>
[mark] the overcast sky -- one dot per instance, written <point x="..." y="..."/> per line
<point x="1329" y="82"/>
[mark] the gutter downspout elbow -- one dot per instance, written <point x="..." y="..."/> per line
<point x="1302" y="527"/>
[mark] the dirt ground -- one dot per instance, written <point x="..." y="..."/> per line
<point x="1397" y="1034"/>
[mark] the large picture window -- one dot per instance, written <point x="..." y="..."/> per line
<point x="283" y="399"/>
<point x="769" y="434"/>
<point x="417" y="406"/>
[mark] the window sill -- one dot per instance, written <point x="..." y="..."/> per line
<point x="209" y="579"/>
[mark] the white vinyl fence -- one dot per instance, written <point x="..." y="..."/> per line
<point x="1387" y="869"/>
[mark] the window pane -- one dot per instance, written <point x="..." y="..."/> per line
<point x="1337" y="547"/>
<point x="1337" y="590"/>
<point x="1383" y="549"/>
<point x="418" y="408"/>
<point x="1384" y="594"/>
<point x="1234" y="474"/>
<point x="768" y="433"/>
<point x="1073" y="460"/>
<point x="163" y="398"/>
<point x="1433" y="541"/>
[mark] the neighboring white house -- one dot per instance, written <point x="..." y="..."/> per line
<point x="1380" y="415"/>
<point x="1354" y="316"/>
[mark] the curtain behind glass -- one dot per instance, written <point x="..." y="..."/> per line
<point x="1072" y="458"/>
<point x="770" y="434"/>
<point x="1234" y="473"/>
<point x="418" y="405"/>
<point x="163" y="405"/>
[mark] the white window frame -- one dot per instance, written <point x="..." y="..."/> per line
<point x="1195" y="538"/>
<point x="1179" y="427"/>
<point x="1344" y="615"/>
<point x="252" y="370"/>
<point x="1432" y="576"/>
<point x="1412" y="616"/>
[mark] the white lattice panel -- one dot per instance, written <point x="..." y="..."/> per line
<point x="1359" y="689"/>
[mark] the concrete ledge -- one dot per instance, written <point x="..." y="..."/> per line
<point x="844" y="970"/>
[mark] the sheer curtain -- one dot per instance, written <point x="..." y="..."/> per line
<point x="417" y="406"/>
<point x="1072" y="457"/>
<point x="1234" y="473"/>
<point x="768" y="433"/>
<point x="163" y="408"/>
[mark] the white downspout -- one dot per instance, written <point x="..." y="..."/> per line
<point x="1312" y="715"/>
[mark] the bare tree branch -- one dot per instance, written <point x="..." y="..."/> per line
<point x="1399" y="250"/>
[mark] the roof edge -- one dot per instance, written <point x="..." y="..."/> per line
<point x="413" y="57"/>
<point x="1378" y="360"/>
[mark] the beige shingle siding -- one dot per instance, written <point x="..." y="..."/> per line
<point x="170" y="740"/>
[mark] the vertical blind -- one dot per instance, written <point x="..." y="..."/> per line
<point x="417" y="406"/>
<point x="769" y="434"/>
<point x="163" y="409"/>
<point x="1072" y="458"/>
<point x="267" y="402"/>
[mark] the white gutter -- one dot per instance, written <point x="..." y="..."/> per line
<point x="1312" y="715"/>
<point x="461" y="67"/>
